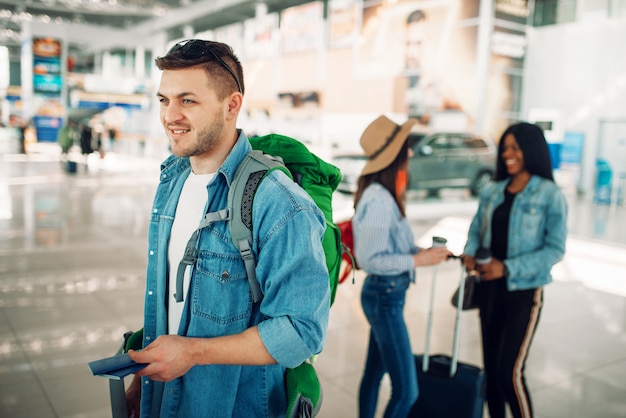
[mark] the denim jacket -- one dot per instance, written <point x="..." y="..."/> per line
<point x="292" y="317"/>
<point x="537" y="230"/>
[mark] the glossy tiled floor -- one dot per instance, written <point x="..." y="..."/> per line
<point x="72" y="257"/>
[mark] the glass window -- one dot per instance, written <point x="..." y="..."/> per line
<point x="475" y="142"/>
<point x="439" y="142"/>
<point x="549" y="12"/>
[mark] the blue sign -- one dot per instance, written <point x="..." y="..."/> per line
<point x="572" y="148"/>
<point x="555" y="154"/>
<point x="48" y="83"/>
<point x="47" y="127"/>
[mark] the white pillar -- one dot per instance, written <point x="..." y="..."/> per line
<point x="483" y="57"/>
<point x="106" y="65"/>
<point x="129" y="62"/>
<point x="188" y="32"/>
<point x="159" y="48"/>
<point x="26" y="69"/>
<point x="140" y="61"/>
<point x="97" y="63"/>
<point x="260" y="9"/>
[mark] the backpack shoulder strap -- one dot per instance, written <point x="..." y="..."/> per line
<point x="249" y="174"/>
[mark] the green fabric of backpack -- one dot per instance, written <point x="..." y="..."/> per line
<point x="317" y="177"/>
<point x="304" y="392"/>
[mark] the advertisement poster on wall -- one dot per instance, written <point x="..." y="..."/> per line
<point x="343" y="23"/>
<point x="429" y="47"/>
<point x="47" y="77"/>
<point x="261" y="37"/>
<point x="47" y="88"/>
<point x="302" y="28"/>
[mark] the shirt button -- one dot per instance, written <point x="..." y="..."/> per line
<point x="151" y="252"/>
<point x="148" y="338"/>
<point x="150" y="293"/>
<point x="155" y="210"/>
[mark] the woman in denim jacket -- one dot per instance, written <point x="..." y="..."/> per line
<point x="383" y="243"/>
<point x="522" y="220"/>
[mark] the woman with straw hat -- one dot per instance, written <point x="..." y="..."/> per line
<point x="384" y="246"/>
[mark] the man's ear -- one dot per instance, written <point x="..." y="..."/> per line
<point x="234" y="103"/>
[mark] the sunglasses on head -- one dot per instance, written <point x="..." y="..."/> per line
<point x="195" y="48"/>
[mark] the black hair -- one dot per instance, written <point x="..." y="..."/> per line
<point x="534" y="146"/>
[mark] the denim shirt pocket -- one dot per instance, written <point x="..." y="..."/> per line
<point x="533" y="218"/>
<point x="220" y="289"/>
<point x="532" y="215"/>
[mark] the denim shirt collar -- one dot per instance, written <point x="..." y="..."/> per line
<point x="174" y="165"/>
<point x="531" y="187"/>
<point x="241" y="148"/>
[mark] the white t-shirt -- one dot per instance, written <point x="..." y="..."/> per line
<point x="189" y="214"/>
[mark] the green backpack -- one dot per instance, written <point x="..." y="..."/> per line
<point x="317" y="177"/>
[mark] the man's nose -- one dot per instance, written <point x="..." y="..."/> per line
<point x="172" y="113"/>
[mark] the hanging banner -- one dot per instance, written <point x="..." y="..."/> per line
<point x="47" y="77"/>
<point x="47" y="88"/>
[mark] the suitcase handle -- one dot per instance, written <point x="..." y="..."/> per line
<point x="457" y="324"/>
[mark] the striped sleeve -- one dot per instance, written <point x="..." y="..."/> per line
<point x="382" y="238"/>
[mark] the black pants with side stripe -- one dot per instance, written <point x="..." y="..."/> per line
<point x="508" y="324"/>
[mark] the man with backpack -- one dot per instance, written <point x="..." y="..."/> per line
<point x="211" y="348"/>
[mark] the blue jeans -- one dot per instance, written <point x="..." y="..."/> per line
<point x="389" y="348"/>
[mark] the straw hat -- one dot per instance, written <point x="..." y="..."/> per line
<point x="381" y="142"/>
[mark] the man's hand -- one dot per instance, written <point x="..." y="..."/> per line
<point x="168" y="357"/>
<point x="171" y="356"/>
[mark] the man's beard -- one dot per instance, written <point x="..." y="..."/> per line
<point x="206" y="139"/>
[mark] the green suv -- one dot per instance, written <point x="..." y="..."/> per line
<point x="440" y="160"/>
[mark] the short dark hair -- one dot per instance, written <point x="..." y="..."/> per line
<point x="534" y="146"/>
<point x="225" y="82"/>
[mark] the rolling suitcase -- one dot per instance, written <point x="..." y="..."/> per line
<point x="447" y="388"/>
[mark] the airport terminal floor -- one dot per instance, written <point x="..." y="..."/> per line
<point x="72" y="259"/>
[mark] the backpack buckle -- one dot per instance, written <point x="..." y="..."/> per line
<point x="190" y="257"/>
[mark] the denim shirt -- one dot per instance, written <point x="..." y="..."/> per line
<point x="537" y="230"/>
<point x="383" y="239"/>
<point x="292" y="317"/>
